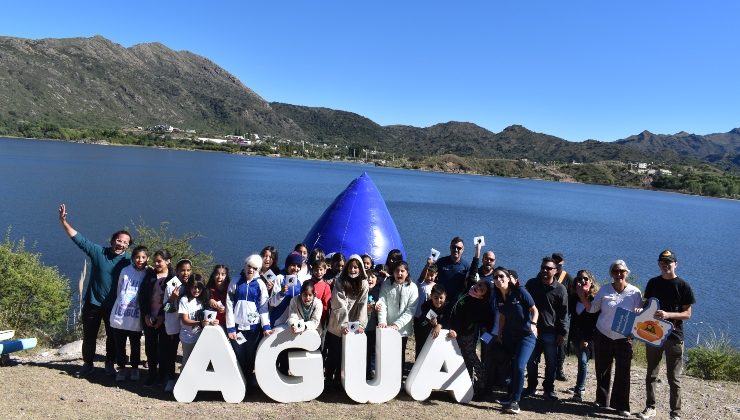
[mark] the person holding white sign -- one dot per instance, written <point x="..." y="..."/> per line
<point x="612" y="348"/>
<point x="348" y="304"/>
<point x="246" y="316"/>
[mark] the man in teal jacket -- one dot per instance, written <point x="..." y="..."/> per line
<point x="106" y="265"/>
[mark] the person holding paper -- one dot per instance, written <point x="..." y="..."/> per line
<point x="288" y="286"/>
<point x="397" y="304"/>
<point x="517" y="331"/>
<point x="613" y="348"/>
<point x="435" y="315"/>
<point x="452" y="271"/>
<point x="675" y="297"/>
<point x="246" y="316"/>
<point x="487" y="263"/>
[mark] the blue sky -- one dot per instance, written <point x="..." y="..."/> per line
<point x="574" y="69"/>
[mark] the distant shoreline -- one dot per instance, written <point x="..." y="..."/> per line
<point x="190" y="149"/>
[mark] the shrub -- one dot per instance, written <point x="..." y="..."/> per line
<point x="714" y="359"/>
<point x="34" y="298"/>
<point x="179" y="247"/>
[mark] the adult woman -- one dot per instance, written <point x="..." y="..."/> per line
<point x="517" y="331"/>
<point x="612" y="347"/>
<point x="582" y="326"/>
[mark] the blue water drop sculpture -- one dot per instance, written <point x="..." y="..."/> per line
<point x="357" y="222"/>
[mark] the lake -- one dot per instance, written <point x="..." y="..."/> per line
<point x="241" y="203"/>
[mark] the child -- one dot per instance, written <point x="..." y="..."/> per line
<point x="337" y="265"/>
<point x="470" y="313"/>
<point x="348" y="304"/>
<point x="172" y="292"/>
<point x="191" y="315"/>
<point x="425" y="290"/>
<point x="425" y="324"/>
<point x="125" y="317"/>
<point x="372" y="320"/>
<point x="290" y="286"/>
<point x="306" y="308"/>
<point x="218" y="284"/>
<point x="367" y="262"/>
<point x="151" y="297"/>
<point x="321" y="289"/>
<point x="246" y="316"/>
<point x="398" y="298"/>
<point x="304" y="271"/>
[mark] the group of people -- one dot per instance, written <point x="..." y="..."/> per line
<point x="479" y="304"/>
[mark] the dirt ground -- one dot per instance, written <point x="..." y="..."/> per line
<point x="42" y="386"/>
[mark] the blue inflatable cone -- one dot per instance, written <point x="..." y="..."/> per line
<point x="357" y="222"/>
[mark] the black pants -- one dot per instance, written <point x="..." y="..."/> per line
<point x="91" y="317"/>
<point x="608" y="352"/>
<point x="155" y="341"/>
<point x="333" y="369"/>
<point x="498" y="364"/>
<point x="134" y="339"/>
<point x="169" y="355"/>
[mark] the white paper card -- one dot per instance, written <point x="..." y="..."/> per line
<point x="481" y="239"/>
<point x="431" y="315"/>
<point x="240" y="338"/>
<point x="269" y="276"/>
<point x="434" y="254"/>
<point x="353" y="326"/>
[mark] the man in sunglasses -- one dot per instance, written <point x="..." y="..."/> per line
<point x="105" y="266"/>
<point x="551" y="299"/>
<point x="452" y="271"/>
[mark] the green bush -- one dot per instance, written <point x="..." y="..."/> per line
<point x="34" y="299"/>
<point x="714" y="359"/>
<point x="179" y="247"/>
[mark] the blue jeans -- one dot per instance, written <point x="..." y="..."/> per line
<point x="582" y="355"/>
<point x="545" y="344"/>
<point x="520" y="350"/>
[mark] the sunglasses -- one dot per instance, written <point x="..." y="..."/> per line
<point x="253" y="268"/>
<point x="619" y="270"/>
<point x="544" y="267"/>
<point x="459" y="248"/>
<point x="582" y="280"/>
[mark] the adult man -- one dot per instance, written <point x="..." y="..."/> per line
<point x="485" y="271"/>
<point x="565" y="279"/>
<point x="452" y="271"/>
<point x="675" y="298"/>
<point x="106" y="265"/>
<point x="551" y="300"/>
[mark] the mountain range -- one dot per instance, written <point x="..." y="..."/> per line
<point x="96" y="83"/>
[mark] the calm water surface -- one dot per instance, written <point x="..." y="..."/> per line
<point x="239" y="204"/>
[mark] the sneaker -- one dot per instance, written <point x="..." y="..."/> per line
<point x="675" y="417"/>
<point x="121" y="375"/>
<point x="513" y="408"/>
<point x="577" y="397"/>
<point x="109" y="369"/>
<point x="504" y="403"/>
<point x="648" y="413"/>
<point x="170" y="386"/>
<point x="560" y="376"/>
<point x="84" y="371"/>
<point x="135" y="375"/>
<point x="551" y="396"/>
<point x="598" y="404"/>
<point x="624" y="413"/>
<point x="528" y="392"/>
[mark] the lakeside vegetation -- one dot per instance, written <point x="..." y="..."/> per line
<point x="702" y="179"/>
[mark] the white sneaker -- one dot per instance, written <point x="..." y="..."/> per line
<point x="625" y="413"/>
<point x="648" y="413"/>
<point x="121" y="375"/>
<point x="170" y="386"/>
<point x="135" y="374"/>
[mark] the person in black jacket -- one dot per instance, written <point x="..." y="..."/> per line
<point x="582" y="326"/>
<point x="151" y="298"/>
<point x="551" y="299"/>
<point x="470" y="314"/>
